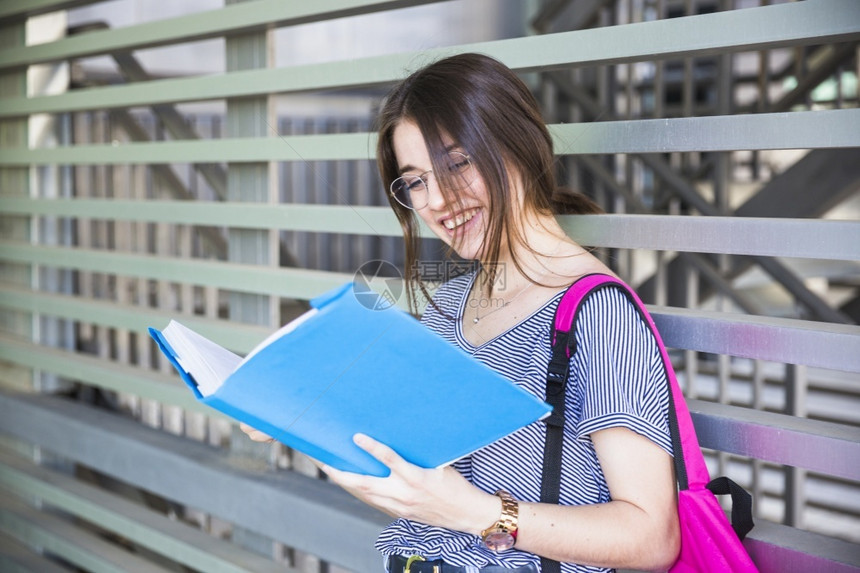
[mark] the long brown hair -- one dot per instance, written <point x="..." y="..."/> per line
<point x="485" y="109"/>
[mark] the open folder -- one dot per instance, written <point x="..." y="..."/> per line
<point x="344" y="368"/>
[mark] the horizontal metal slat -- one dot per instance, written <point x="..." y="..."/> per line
<point x="342" y="219"/>
<point x="780" y="549"/>
<point x="234" y="150"/>
<point x="181" y="543"/>
<point x="798" y="238"/>
<point x="74" y="544"/>
<point x="792" y="24"/>
<point x="14" y="10"/>
<point x="792" y="341"/>
<point x="829" y="448"/>
<point x="302" y="512"/>
<point x="15" y="557"/>
<point x="791" y="130"/>
<point x="235" y="336"/>
<point x="65" y="426"/>
<point x="285" y="282"/>
<point x="230" y="20"/>
<point x="824" y="345"/>
<point x="825" y="447"/>
<point x="102" y="373"/>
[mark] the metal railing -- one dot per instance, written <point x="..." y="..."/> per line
<point x="86" y="268"/>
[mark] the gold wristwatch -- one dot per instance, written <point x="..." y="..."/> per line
<point x="502" y="535"/>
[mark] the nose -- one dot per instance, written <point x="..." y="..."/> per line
<point x="435" y="198"/>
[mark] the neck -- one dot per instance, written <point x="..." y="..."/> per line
<point x="538" y="242"/>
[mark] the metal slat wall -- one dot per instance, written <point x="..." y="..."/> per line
<point x="136" y="259"/>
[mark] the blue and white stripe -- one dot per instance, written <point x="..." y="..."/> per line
<point x="617" y="379"/>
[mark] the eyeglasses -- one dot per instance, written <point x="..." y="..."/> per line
<point x="411" y="190"/>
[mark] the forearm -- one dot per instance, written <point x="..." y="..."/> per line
<point x="638" y="530"/>
<point x="614" y="534"/>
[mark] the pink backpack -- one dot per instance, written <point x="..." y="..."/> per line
<point x="708" y="541"/>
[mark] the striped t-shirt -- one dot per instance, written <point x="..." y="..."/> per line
<point x="616" y="379"/>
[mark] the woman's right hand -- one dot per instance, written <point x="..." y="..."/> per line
<point x="256" y="435"/>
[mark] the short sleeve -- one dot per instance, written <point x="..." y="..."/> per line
<point x="617" y="373"/>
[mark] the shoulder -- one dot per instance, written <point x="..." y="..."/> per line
<point x="621" y="378"/>
<point x="610" y="299"/>
<point x="609" y="315"/>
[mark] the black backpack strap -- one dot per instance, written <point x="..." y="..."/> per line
<point x="563" y="347"/>
<point x="742" y="521"/>
<point x="556" y="387"/>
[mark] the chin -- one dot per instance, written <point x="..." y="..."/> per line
<point x="467" y="252"/>
<point x="470" y="250"/>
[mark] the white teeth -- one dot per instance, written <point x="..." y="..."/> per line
<point x="459" y="219"/>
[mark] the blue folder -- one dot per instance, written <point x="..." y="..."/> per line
<point x="351" y="369"/>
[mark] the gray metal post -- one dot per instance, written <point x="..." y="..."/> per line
<point x="795" y="478"/>
<point x="758" y="468"/>
<point x="15" y="182"/>
<point x="250" y="182"/>
<point x="722" y="200"/>
<point x="691" y="357"/>
<point x="49" y="181"/>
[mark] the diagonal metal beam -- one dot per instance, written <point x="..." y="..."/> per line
<point x="768" y="27"/>
<point x="133" y="72"/>
<point x="214" y="174"/>
<point x="679" y="186"/>
<point x="702" y="264"/>
<point x="603" y="174"/>
<point x="836" y="56"/>
<point x="716" y="279"/>
<point x="230" y="20"/>
<point x="575" y="15"/>
<point x="174" y="185"/>
<point x="17" y="10"/>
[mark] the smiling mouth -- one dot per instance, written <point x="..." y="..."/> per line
<point x="460" y="219"/>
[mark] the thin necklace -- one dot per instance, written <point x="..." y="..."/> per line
<point x="477" y="318"/>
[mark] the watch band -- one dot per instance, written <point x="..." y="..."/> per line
<point x="510" y="512"/>
<point x="502" y="535"/>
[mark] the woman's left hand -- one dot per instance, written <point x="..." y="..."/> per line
<point x="440" y="497"/>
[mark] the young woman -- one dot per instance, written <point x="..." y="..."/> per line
<point x="463" y="147"/>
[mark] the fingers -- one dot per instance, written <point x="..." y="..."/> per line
<point x="408" y="491"/>
<point x="339" y="477"/>
<point x="380" y="451"/>
<point x="255" y="435"/>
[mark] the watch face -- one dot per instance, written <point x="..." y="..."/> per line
<point x="499" y="540"/>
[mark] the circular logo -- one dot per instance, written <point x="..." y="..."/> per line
<point x="377" y="285"/>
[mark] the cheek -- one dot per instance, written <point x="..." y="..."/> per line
<point x="438" y="230"/>
<point x="478" y="193"/>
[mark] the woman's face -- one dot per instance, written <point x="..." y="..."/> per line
<point x="460" y="223"/>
